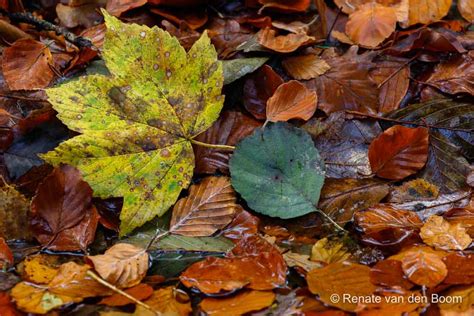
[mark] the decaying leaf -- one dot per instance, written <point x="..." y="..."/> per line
<point x="240" y="304"/>
<point x="305" y="66"/>
<point x="40" y="268"/>
<point x="399" y="152"/>
<point x="6" y="255"/>
<point x="439" y="233"/>
<point x="123" y="265"/>
<point x="137" y="124"/>
<point x="414" y="190"/>
<point x="290" y="171"/>
<point x="13" y="211"/>
<point x="210" y="206"/>
<point x="328" y="252"/>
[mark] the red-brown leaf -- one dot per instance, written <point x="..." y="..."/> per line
<point x="399" y="152"/>
<point x="140" y="292"/>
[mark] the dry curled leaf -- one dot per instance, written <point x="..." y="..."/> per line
<point x="371" y="24"/>
<point x="210" y="206"/>
<point x="26" y="65"/>
<point x="123" y="265"/>
<point x="399" y="152"/>
<point x="291" y="100"/>
<point x="440" y="233"/>
<point x="282" y="43"/>
<point x="239" y="304"/>
<point x="305" y="66"/>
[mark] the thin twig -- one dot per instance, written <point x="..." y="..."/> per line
<point x="155" y="238"/>
<point x="424" y="124"/>
<point x="398" y="70"/>
<point x="215" y="146"/>
<point x="329" y="219"/>
<point x="119" y="291"/>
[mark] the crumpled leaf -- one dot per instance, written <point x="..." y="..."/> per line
<point x="371" y="24"/>
<point x="210" y="206"/>
<point x="278" y="171"/>
<point x="137" y="124"/>
<point x="14" y="209"/>
<point x="27" y="65"/>
<point x="328" y="252"/>
<point x="123" y="265"/>
<point x="62" y="201"/>
<point x="140" y="292"/>
<point x="237" y="68"/>
<point x="341" y="278"/>
<point x="229" y="129"/>
<point x="242" y="303"/>
<point x="305" y="66"/>
<point x="253" y="263"/>
<point x="441" y="234"/>
<point x="399" y="152"/>
<point x="291" y="100"/>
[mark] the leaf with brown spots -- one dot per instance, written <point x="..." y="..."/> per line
<point x="137" y="124"/>
<point x="210" y="206"/>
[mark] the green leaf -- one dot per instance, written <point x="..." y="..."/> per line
<point x="237" y="68"/>
<point x="278" y="171"/>
<point x="136" y="125"/>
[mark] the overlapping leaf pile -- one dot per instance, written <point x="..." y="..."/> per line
<point x="334" y="178"/>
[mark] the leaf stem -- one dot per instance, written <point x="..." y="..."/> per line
<point x="119" y="291"/>
<point x="156" y="238"/>
<point x="215" y="146"/>
<point x="334" y="223"/>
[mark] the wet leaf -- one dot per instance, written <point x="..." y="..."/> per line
<point x="329" y="252"/>
<point x="460" y="268"/>
<point x="305" y="66"/>
<point x="462" y="215"/>
<point x="210" y="206"/>
<point x="13" y="212"/>
<point x="27" y="65"/>
<point x="423" y="267"/>
<point x="285" y="6"/>
<point x="414" y="190"/>
<point x="294" y="259"/>
<point x="291" y="100"/>
<point x="399" y="152"/>
<point x="341" y="278"/>
<point x="237" y="68"/>
<point x="240" y="304"/>
<point x="389" y="273"/>
<point x="61" y="203"/>
<point x="140" y="292"/>
<point x="460" y="306"/>
<point x="441" y="234"/>
<point x="371" y="24"/>
<point x="168" y="301"/>
<point x="229" y="129"/>
<point x="150" y="159"/>
<point x="243" y="225"/>
<point x="123" y="265"/>
<point x="278" y="171"/>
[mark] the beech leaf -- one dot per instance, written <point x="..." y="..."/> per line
<point x="137" y="124"/>
<point x="240" y="304"/>
<point x="441" y="234"/>
<point x="278" y="171"/>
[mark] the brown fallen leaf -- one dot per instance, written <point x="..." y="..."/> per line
<point x="168" y="301"/>
<point x="117" y="7"/>
<point x="426" y="11"/>
<point x="140" y="292"/>
<point x="298" y="260"/>
<point x="62" y="202"/>
<point x="371" y="24"/>
<point x="243" y="225"/>
<point x="466" y="8"/>
<point x="399" y="152"/>
<point x="123" y="265"/>
<point x="26" y="65"/>
<point x="39" y="268"/>
<point x="463" y="305"/>
<point x="6" y="255"/>
<point x="414" y="190"/>
<point x="291" y="100"/>
<point x="12" y="225"/>
<point x="239" y="304"/>
<point x="194" y="19"/>
<point x="441" y="234"/>
<point x="460" y="268"/>
<point x="328" y="252"/>
<point x="282" y="43"/>
<point x="462" y="215"/>
<point x="305" y="66"/>
<point x="389" y="273"/>
<point x="210" y="206"/>
<point x="85" y="15"/>
<point x="285" y="6"/>
<point x="341" y="278"/>
<point x="258" y="88"/>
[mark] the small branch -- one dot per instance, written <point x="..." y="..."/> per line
<point x="398" y="70"/>
<point x="223" y="147"/>
<point x="424" y="124"/>
<point x="156" y="238"/>
<point x="26" y="17"/>
<point x="119" y="291"/>
<point x="334" y="223"/>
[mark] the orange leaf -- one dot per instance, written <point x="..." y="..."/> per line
<point x="210" y="206"/>
<point x="460" y="268"/>
<point x="242" y="226"/>
<point x="286" y="6"/>
<point x="117" y="7"/>
<point x="168" y="301"/>
<point x="140" y="292"/>
<point x="194" y="19"/>
<point x="466" y="8"/>
<point x="341" y="278"/>
<point x="426" y="11"/>
<point x="6" y="306"/>
<point x="305" y="66"/>
<point x="371" y="24"/>
<point x="239" y="304"/>
<point x="123" y="265"/>
<point x="389" y="273"/>
<point x="439" y="233"/>
<point x="282" y="43"/>
<point x="291" y="100"/>
<point x="40" y="268"/>
<point x="6" y="255"/>
<point x="424" y="267"/>
<point x="399" y="152"/>
<point x="26" y="65"/>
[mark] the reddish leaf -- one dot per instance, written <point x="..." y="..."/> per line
<point x="26" y="65"/>
<point x="253" y="263"/>
<point x="194" y="19"/>
<point x="6" y="255"/>
<point x="291" y="100"/>
<point x="282" y="43"/>
<point x="229" y="129"/>
<point x="117" y="7"/>
<point x="389" y="273"/>
<point x="460" y="268"/>
<point x="285" y="6"/>
<point x="63" y="202"/>
<point x="140" y="292"/>
<point x="242" y="226"/>
<point x="423" y="267"/>
<point x="399" y="152"/>
<point x="242" y="303"/>
<point x="227" y="35"/>
<point x="6" y="306"/>
<point x="258" y="88"/>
